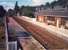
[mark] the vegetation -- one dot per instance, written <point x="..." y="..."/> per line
<point x="29" y="11"/>
<point x="24" y="10"/>
<point x="2" y="11"/>
<point x="2" y="14"/>
<point x="16" y="9"/>
<point x="1" y="29"/>
<point x="63" y="3"/>
<point x="10" y="12"/>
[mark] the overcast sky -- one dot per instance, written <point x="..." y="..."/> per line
<point x="10" y="3"/>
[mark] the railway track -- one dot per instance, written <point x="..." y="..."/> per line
<point x="47" y="39"/>
<point x="23" y="37"/>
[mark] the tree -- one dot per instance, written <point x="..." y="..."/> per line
<point x="16" y="8"/>
<point x="54" y="3"/>
<point x="47" y="5"/>
<point x="2" y="11"/>
<point x="10" y="12"/>
<point x="63" y="3"/>
<point x="21" y="10"/>
<point x="27" y="11"/>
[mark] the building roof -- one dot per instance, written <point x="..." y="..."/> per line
<point x="56" y="13"/>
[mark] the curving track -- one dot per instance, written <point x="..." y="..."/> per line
<point x="47" y="39"/>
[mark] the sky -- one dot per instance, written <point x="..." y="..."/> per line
<point x="10" y="3"/>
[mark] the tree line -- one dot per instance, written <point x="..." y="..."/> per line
<point x="62" y="3"/>
<point x="21" y="11"/>
<point x="29" y="10"/>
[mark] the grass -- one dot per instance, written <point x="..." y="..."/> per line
<point x="1" y="30"/>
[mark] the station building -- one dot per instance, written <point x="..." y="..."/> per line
<point x="58" y="18"/>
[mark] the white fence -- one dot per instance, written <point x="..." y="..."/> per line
<point x="12" y="45"/>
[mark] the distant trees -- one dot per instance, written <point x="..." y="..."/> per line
<point x="47" y="5"/>
<point x="27" y="11"/>
<point x="53" y="4"/>
<point x="11" y="13"/>
<point x="63" y="3"/>
<point x="2" y="11"/>
<point x="16" y="8"/>
<point x="21" y="10"/>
